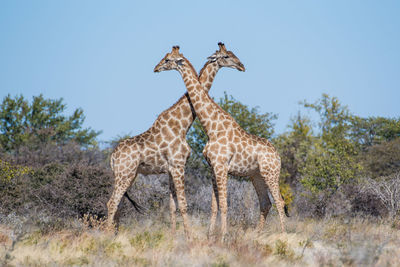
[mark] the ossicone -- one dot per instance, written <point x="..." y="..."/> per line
<point x="175" y="49"/>
<point x="221" y="46"/>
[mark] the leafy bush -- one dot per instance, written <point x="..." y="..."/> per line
<point x="9" y="172"/>
<point x="64" y="180"/>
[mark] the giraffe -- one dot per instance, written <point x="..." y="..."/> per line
<point x="229" y="149"/>
<point x="163" y="148"/>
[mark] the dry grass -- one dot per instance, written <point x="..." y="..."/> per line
<point x="333" y="242"/>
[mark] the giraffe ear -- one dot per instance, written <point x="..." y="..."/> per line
<point x="212" y="58"/>
<point x="179" y="61"/>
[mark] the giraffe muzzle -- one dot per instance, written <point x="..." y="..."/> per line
<point x="241" y="67"/>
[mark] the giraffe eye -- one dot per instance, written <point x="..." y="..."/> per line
<point x="167" y="60"/>
<point x="226" y="56"/>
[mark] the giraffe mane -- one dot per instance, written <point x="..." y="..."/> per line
<point x="190" y="65"/>
<point x="204" y="68"/>
<point x="167" y="111"/>
<point x="175" y="50"/>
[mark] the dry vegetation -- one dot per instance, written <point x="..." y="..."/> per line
<point x="42" y="222"/>
<point x="341" y="183"/>
<point x="328" y="242"/>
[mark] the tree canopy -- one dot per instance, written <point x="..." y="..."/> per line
<point x="331" y="160"/>
<point x="41" y="121"/>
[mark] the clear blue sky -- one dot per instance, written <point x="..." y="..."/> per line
<point x="100" y="55"/>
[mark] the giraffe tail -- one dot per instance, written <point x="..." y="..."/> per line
<point x="137" y="207"/>
<point x="286" y="208"/>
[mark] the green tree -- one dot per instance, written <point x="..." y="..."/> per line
<point x="250" y="119"/>
<point x="378" y="139"/>
<point x="332" y="160"/>
<point x="41" y="121"/>
<point x="294" y="147"/>
<point x="382" y="159"/>
<point x="374" y="130"/>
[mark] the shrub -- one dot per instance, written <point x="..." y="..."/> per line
<point x="146" y="240"/>
<point x="64" y="181"/>
<point x="9" y="172"/>
<point x="387" y="190"/>
<point x="283" y="250"/>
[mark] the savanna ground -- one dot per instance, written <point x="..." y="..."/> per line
<point x="310" y="242"/>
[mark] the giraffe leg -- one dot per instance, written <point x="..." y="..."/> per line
<point x="214" y="208"/>
<point x="270" y="173"/>
<point x="122" y="184"/>
<point x="172" y="205"/>
<point x="263" y="199"/>
<point x="221" y="177"/>
<point x="177" y="174"/>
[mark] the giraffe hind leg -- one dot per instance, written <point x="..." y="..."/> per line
<point x="122" y="184"/>
<point x="263" y="199"/>
<point x="177" y="174"/>
<point x="270" y="172"/>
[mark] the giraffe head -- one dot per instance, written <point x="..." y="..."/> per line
<point x="172" y="61"/>
<point x="225" y="58"/>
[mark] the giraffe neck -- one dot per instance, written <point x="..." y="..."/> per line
<point x="207" y="74"/>
<point x="202" y="102"/>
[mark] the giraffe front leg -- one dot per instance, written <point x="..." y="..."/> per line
<point x="214" y="208"/>
<point x="177" y="174"/>
<point x="221" y="177"/>
<point x="265" y="204"/>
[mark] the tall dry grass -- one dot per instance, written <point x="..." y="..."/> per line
<point x="329" y="242"/>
